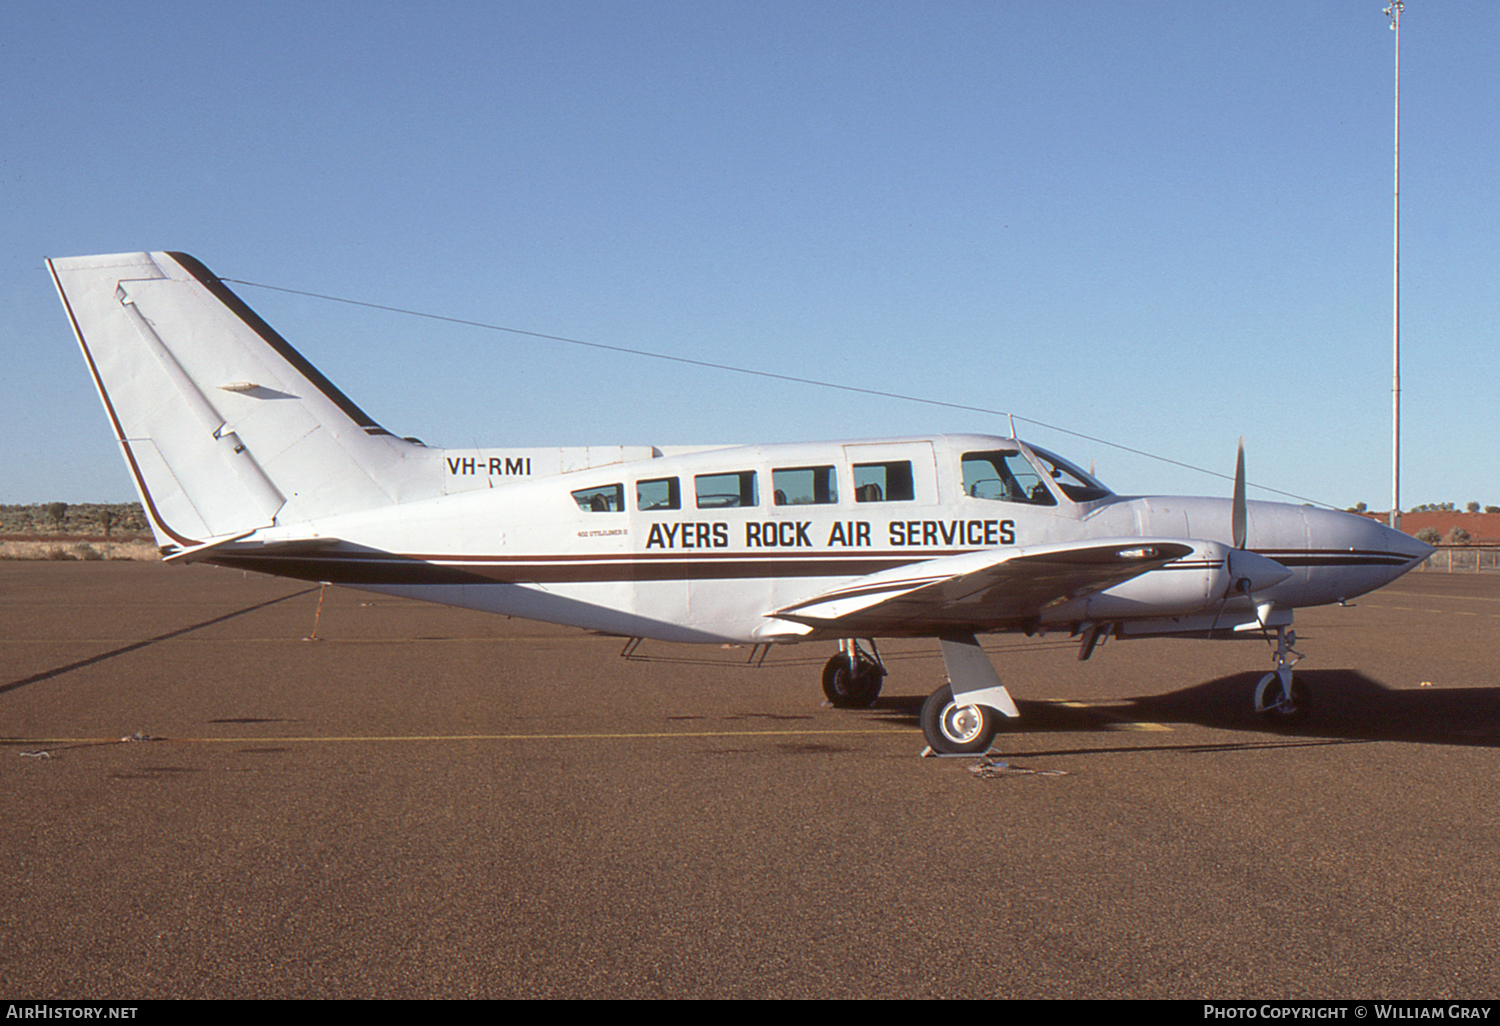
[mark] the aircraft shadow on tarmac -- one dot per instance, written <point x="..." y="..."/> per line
<point x="1347" y="706"/>
<point x="59" y="671"/>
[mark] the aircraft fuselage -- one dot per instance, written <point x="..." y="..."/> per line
<point x="698" y="547"/>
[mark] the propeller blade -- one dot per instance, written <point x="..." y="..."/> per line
<point x="1239" y="526"/>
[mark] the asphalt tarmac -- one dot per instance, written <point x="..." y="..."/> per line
<point x="428" y="802"/>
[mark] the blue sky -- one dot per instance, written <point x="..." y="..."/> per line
<point x="1163" y="223"/>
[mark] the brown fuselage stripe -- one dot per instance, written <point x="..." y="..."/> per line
<point x="388" y="568"/>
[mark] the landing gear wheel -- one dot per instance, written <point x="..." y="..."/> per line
<point x="952" y="729"/>
<point x="1272" y="703"/>
<point x="851" y="689"/>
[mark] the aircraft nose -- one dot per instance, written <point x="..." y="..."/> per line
<point x="1403" y="544"/>
<point x="1375" y="536"/>
<point x="1360" y="541"/>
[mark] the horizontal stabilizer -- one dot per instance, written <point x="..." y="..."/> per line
<point x="237" y="544"/>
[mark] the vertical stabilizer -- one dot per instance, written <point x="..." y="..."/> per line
<point x="224" y="426"/>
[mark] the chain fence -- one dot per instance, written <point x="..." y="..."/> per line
<point x="1463" y="559"/>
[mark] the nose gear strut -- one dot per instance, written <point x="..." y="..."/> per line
<point x="1279" y="694"/>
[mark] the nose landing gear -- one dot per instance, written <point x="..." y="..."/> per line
<point x="1279" y="695"/>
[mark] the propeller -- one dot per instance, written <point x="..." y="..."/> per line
<point x="1249" y="572"/>
<point x="1239" y="517"/>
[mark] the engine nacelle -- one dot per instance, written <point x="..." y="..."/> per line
<point x="1196" y="583"/>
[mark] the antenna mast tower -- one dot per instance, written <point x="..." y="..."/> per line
<point x="1394" y="13"/>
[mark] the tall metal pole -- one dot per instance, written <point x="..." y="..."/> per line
<point x="1394" y="13"/>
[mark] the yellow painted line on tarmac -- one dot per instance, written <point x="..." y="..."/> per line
<point x="370" y="738"/>
<point x="1387" y="592"/>
<point x="1430" y="611"/>
<point x="1116" y="722"/>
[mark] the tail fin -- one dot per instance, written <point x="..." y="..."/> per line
<point x="224" y="426"/>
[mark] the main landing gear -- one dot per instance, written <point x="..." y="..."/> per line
<point x="852" y="679"/>
<point x="962" y="716"/>
<point x="953" y="729"/>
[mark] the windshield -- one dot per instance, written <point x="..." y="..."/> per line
<point x="1075" y="484"/>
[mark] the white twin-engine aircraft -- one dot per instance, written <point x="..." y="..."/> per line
<point x="245" y="456"/>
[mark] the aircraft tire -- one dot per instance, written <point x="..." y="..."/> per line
<point x="1266" y="705"/>
<point x="957" y="729"/>
<point x="846" y="690"/>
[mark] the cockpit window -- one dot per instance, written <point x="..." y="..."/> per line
<point x="1006" y="477"/>
<point x="1075" y="484"/>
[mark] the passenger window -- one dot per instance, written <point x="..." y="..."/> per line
<point x="804" y="486"/>
<point x="604" y="499"/>
<point x="662" y="493"/>
<point x="720" y="491"/>
<point x="1005" y="476"/>
<point x="883" y="482"/>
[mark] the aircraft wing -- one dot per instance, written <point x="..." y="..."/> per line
<point x="992" y="587"/>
